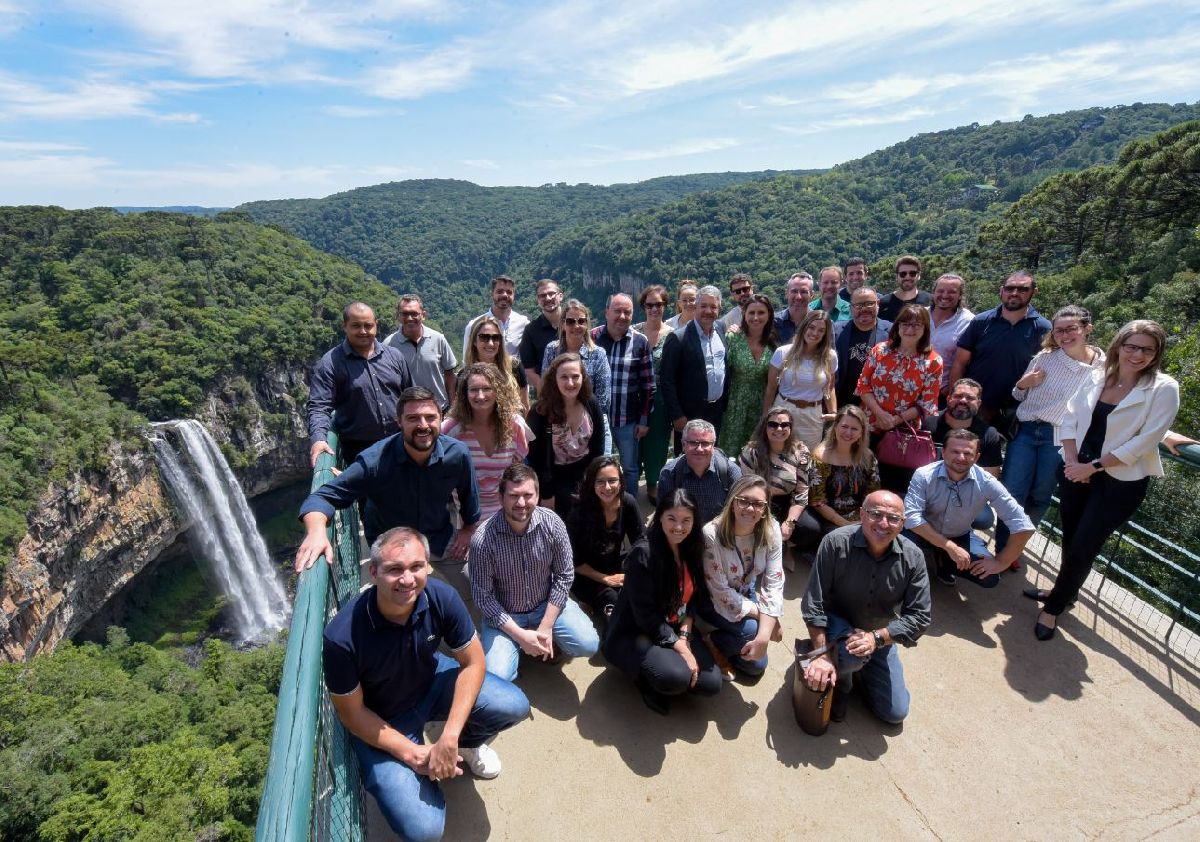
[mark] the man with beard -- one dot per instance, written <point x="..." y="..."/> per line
<point x="407" y="480"/>
<point x="740" y="290"/>
<point x="856" y="276"/>
<point x="853" y="340"/>
<point x="868" y="591"/>
<point x="948" y="318"/>
<point x="427" y="353"/>
<point x="360" y="379"/>
<point x="908" y="275"/>
<point x="522" y="568"/>
<point x="504" y="292"/>
<point x="997" y="345"/>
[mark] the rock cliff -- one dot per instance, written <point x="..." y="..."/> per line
<point x="90" y="536"/>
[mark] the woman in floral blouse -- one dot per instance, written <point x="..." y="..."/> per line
<point x="777" y="454"/>
<point x="844" y="472"/>
<point x="743" y="548"/>
<point x="900" y="381"/>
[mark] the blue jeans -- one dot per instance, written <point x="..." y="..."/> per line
<point x="625" y="438"/>
<point x="882" y="675"/>
<point x="574" y="636"/>
<point x="1032" y="469"/>
<point x="729" y="636"/>
<point x="970" y="542"/>
<point x="413" y="804"/>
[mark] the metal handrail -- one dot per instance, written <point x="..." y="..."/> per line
<point x="308" y="743"/>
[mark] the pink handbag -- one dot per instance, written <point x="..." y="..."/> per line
<point x="906" y="446"/>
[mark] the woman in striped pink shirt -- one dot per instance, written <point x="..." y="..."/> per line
<point x="486" y="417"/>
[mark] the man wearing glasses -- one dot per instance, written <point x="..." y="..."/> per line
<point x="430" y="360"/>
<point x="854" y="339"/>
<point x="740" y="290"/>
<point x="703" y="470"/>
<point x="997" y="345"/>
<point x="942" y="502"/>
<point x="868" y="591"/>
<point x="908" y="275"/>
<point x="541" y="331"/>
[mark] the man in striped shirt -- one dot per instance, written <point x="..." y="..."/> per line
<point x="632" y="383"/>
<point x="521" y="573"/>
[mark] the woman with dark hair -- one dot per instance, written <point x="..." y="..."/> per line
<point x="485" y="416"/>
<point x="652" y="452"/>
<point x="650" y="634"/>
<point x="844" y="472"/>
<point x="1110" y="438"/>
<point x="747" y="360"/>
<point x="778" y="455"/>
<point x="603" y="519"/>
<point x="900" y="381"/>
<point x="804" y="374"/>
<point x="1032" y="461"/>
<point x="575" y="336"/>
<point x="485" y="344"/>
<point x="568" y="429"/>
<point x="743" y="573"/>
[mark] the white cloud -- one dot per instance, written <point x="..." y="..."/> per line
<point x="681" y="149"/>
<point x="90" y="98"/>
<point x="481" y="163"/>
<point x="445" y="69"/>
<point x="854" y="121"/>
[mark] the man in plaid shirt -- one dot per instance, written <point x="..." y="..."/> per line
<point x="632" y="384"/>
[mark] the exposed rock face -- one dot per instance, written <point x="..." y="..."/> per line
<point x="88" y="538"/>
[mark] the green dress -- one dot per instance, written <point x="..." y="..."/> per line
<point x="746" y="380"/>
<point x="652" y="450"/>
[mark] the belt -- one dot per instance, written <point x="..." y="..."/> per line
<point x="802" y="404"/>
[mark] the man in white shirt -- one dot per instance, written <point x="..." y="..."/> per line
<point x="504" y="292"/>
<point x="949" y="317"/>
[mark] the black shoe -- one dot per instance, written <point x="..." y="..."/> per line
<point x="946" y="576"/>
<point x="654" y="700"/>
<point x="1044" y="632"/>
<point x="838" y="704"/>
<point x="1036" y="594"/>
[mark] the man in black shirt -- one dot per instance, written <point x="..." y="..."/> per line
<point x="908" y="275"/>
<point x="854" y="339"/>
<point x="541" y="331"/>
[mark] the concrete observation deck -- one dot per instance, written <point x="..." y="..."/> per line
<point x="1092" y="735"/>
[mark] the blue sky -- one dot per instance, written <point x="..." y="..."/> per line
<point x="217" y="102"/>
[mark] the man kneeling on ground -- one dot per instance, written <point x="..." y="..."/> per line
<point x="387" y="679"/>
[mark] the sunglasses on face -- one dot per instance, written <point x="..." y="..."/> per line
<point x="752" y="505"/>
<point x="654" y="305"/>
<point x="575" y="322"/>
<point x="1016" y="288"/>
<point x="489" y="338"/>
<point x="741" y="290"/>
<point x="779" y="425"/>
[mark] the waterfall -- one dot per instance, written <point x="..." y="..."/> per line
<point x="223" y="530"/>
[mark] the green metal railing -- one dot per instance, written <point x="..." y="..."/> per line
<point x="1153" y="559"/>
<point x="312" y="789"/>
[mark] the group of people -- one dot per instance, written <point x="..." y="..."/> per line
<point x="781" y="421"/>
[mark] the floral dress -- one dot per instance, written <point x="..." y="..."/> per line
<point x="899" y="381"/>
<point x="842" y="488"/>
<point x="747" y="381"/>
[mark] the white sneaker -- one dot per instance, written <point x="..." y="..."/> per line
<point x="483" y="761"/>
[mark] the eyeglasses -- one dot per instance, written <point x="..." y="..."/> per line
<point x="654" y="305"/>
<point x="687" y="301"/>
<point x="1134" y="348"/>
<point x="1021" y="288"/>
<point x="752" y="505"/>
<point x="699" y="445"/>
<point x="741" y="290"/>
<point x="911" y="323"/>
<point x="575" y="322"/>
<point x="1067" y="330"/>
<point x="866" y="305"/>
<point x="779" y="425"/>
<point x="880" y="514"/>
<point x="908" y="273"/>
<point x="410" y="316"/>
<point x="489" y="338"/>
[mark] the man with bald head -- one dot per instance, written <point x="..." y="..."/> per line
<point x="361" y="380"/>
<point x="867" y="592"/>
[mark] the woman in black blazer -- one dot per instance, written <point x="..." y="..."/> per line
<point x="568" y="429"/>
<point x="650" y="634"/>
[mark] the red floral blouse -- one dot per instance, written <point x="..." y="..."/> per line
<point x="899" y="381"/>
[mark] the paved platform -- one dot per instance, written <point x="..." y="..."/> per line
<point x="1092" y="735"/>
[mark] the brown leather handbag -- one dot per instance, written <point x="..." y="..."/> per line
<point x="811" y="707"/>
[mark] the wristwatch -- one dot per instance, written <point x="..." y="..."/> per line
<point x="879" y="644"/>
<point x="1097" y="466"/>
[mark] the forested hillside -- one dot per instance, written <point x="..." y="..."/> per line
<point x="112" y="319"/>
<point x="448" y="238"/>
<point x="927" y="195"/>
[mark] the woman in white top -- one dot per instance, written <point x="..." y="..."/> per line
<point x="1110" y="437"/>
<point x="685" y="304"/>
<point x="1032" y="462"/>
<point x="743" y="549"/>
<point x="803" y="374"/>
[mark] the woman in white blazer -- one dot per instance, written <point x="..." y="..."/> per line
<point x="1110" y="442"/>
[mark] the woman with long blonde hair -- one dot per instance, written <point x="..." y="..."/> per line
<point x="803" y="374"/>
<point x="485" y="344"/>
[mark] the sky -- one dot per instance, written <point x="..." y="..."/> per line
<point x="218" y="102"/>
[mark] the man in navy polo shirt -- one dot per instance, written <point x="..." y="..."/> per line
<point x="387" y="679"/>
<point x="997" y="345"/>
<point x="407" y="480"/>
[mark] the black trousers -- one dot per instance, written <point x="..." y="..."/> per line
<point x="1091" y="512"/>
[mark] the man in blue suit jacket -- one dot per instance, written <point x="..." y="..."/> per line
<point x="693" y="366"/>
<point x="854" y="339"/>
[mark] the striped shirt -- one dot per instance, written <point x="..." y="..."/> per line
<point x="1047" y="401"/>
<point x="631" y="372"/>
<point x="517" y="573"/>
<point x="489" y="468"/>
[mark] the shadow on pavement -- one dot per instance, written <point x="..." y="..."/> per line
<point x="549" y="690"/>
<point x="612" y="714"/>
<point x="466" y="816"/>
